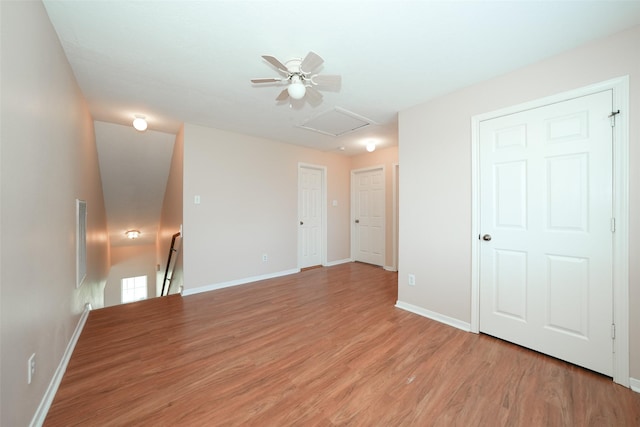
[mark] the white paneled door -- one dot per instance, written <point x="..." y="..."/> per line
<point x="310" y="213"/>
<point x="368" y="228"/>
<point x="546" y="230"/>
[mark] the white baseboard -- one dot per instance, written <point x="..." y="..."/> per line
<point x="434" y="316"/>
<point x="338" y="262"/>
<point x="390" y="268"/>
<point x="244" y="281"/>
<point x="635" y="384"/>
<point x="47" y="399"/>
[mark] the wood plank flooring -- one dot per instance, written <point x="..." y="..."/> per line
<point x="324" y="347"/>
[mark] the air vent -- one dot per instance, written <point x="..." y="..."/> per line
<point x="336" y="122"/>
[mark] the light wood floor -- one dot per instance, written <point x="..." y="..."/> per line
<point x="321" y="348"/>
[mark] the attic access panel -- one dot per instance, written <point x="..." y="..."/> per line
<point x="336" y="122"/>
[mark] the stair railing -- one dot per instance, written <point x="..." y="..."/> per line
<point x="172" y="249"/>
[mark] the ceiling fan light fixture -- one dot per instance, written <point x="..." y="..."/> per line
<point x="298" y="74"/>
<point x="140" y="123"/>
<point x="296" y="89"/>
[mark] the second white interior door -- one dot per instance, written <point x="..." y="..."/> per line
<point x="368" y="227"/>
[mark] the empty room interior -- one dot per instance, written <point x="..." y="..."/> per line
<point x="318" y="212"/>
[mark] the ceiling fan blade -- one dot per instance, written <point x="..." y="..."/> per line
<point x="267" y="80"/>
<point x="328" y="81"/>
<point x="311" y="62"/>
<point x="283" y="95"/>
<point x="313" y="95"/>
<point x="279" y="65"/>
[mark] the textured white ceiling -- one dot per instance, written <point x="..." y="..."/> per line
<point x="192" y="61"/>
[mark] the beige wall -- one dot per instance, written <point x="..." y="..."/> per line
<point x="248" y="191"/>
<point x="388" y="158"/>
<point x="49" y="159"/>
<point x="435" y="153"/>
<point x="171" y="215"/>
<point x="130" y="261"/>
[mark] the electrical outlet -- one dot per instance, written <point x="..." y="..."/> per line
<point x="265" y="257"/>
<point x="31" y="368"/>
<point x="412" y="280"/>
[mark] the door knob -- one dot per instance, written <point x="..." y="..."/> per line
<point x="357" y="221"/>
<point x="301" y="223"/>
<point x="486" y="237"/>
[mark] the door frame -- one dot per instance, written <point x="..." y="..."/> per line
<point x="620" y="89"/>
<point x="323" y="210"/>
<point x="395" y="214"/>
<point x="354" y="172"/>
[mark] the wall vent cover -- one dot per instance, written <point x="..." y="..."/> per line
<point x="336" y="122"/>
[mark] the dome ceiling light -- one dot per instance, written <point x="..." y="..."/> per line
<point x="140" y="123"/>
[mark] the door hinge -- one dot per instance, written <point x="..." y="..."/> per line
<point x="612" y="116"/>
<point x="613" y="225"/>
<point x="613" y="331"/>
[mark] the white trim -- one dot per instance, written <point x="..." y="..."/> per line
<point x="394" y="213"/>
<point x="244" y="281"/>
<point x="338" y="262"/>
<point x="620" y="88"/>
<point x="323" y="202"/>
<point x="389" y="268"/>
<point x="634" y="384"/>
<point x="384" y="214"/>
<point x="475" y="225"/>
<point x="47" y="399"/>
<point x="434" y="316"/>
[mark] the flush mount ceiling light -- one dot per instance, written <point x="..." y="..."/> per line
<point x="140" y="123"/>
<point x="371" y="147"/>
<point x="132" y="234"/>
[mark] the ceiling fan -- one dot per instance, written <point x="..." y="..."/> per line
<point x="298" y="75"/>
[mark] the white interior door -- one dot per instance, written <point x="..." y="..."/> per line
<point x="368" y="202"/>
<point x="310" y="212"/>
<point x="545" y="221"/>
